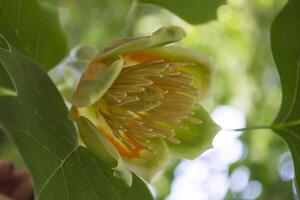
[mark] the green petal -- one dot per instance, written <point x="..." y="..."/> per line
<point x="100" y="146"/>
<point x="196" y="64"/>
<point x="162" y="36"/>
<point x="196" y="138"/>
<point x="106" y="67"/>
<point x="150" y="163"/>
<point x="95" y="81"/>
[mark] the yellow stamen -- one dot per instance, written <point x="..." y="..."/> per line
<point x="148" y="100"/>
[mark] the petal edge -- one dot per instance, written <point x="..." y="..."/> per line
<point x="197" y="138"/>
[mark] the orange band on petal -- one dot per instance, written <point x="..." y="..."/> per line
<point x="125" y="151"/>
<point x="93" y="67"/>
<point x="141" y="57"/>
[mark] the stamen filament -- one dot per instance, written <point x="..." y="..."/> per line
<point x="149" y="101"/>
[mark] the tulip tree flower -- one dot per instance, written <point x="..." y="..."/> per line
<point x="137" y="104"/>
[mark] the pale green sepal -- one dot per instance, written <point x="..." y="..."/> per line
<point x="95" y="81"/>
<point x="94" y="141"/>
<point x="162" y="36"/>
<point x="148" y="164"/>
<point x="196" y="138"/>
<point x="99" y="145"/>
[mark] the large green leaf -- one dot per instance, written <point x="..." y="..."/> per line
<point x="193" y="11"/>
<point x="36" y="120"/>
<point x="286" y="51"/>
<point x="34" y="29"/>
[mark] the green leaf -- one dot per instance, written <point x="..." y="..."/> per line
<point x="34" y="29"/>
<point x="36" y="120"/>
<point x="285" y="42"/>
<point x="193" y="11"/>
<point x="6" y="86"/>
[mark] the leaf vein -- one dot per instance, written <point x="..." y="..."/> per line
<point x="36" y="141"/>
<point x="54" y="172"/>
<point x="65" y="183"/>
<point x="88" y="178"/>
<point x="294" y="100"/>
<point x="116" y="191"/>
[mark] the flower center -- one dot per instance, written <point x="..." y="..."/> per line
<point x="149" y="101"/>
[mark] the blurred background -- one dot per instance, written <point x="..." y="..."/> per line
<point x="253" y="164"/>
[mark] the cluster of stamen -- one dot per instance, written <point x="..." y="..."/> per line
<point x="148" y="101"/>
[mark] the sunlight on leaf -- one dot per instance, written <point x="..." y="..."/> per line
<point x="6" y="86"/>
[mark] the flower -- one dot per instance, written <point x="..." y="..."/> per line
<point x="14" y="184"/>
<point x="138" y="103"/>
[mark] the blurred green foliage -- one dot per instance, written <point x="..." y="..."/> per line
<point x="194" y="12"/>
<point x="93" y="22"/>
<point x="238" y="42"/>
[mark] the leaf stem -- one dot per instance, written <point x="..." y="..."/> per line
<point x="129" y="21"/>
<point x="250" y="128"/>
<point x="273" y="126"/>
